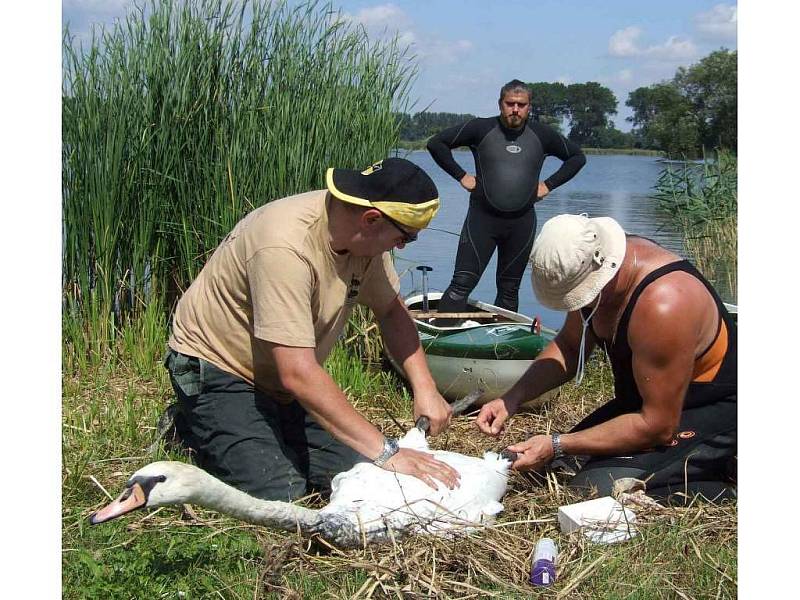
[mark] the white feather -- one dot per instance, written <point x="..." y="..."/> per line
<point x="372" y="497"/>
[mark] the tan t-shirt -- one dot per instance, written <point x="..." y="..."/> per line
<point x="275" y="278"/>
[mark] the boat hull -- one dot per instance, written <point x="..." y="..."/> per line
<point x="455" y="378"/>
<point x="490" y="356"/>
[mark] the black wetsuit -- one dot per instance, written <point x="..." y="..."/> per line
<point x="700" y="457"/>
<point x="508" y="163"/>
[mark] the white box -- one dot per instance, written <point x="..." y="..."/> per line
<point x="602" y="520"/>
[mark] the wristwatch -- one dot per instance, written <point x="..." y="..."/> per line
<point x="558" y="451"/>
<point x="390" y="448"/>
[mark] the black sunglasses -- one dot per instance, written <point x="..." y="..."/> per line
<point x="408" y="237"/>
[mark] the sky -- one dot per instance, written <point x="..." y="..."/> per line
<point x="467" y="49"/>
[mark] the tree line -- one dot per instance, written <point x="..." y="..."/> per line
<point x="696" y="109"/>
<point x="693" y="111"/>
<point x="423" y="125"/>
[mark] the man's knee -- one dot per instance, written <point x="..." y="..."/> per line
<point x="508" y="294"/>
<point x="600" y="481"/>
<point x="239" y="440"/>
<point x="462" y="284"/>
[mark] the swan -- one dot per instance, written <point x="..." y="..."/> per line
<point x="368" y="504"/>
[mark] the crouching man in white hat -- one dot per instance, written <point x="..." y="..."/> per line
<point x="672" y="347"/>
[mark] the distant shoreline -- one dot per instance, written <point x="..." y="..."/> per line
<point x="420" y="145"/>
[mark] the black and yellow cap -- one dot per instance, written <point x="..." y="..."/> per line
<point x="395" y="186"/>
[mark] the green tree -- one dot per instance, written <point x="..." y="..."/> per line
<point x="549" y="103"/>
<point x="696" y="109"/>
<point x="590" y="106"/>
<point x="710" y="86"/>
<point x="676" y="131"/>
<point x="404" y="125"/>
<point x="663" y="117"/>
<point x="611" y="137"/>
<point x="423" y="125"/>
<point x="645" y="105"/>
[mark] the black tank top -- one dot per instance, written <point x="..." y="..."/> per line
<point x="721" y="388"/>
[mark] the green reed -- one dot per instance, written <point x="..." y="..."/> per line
<point x="186" y="115"/>
<point x="702" y="198"/>
<point x="700" y="191"/>
<point x="712" y="245"/>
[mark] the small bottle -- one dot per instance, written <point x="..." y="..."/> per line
<point x="543" y="569"/>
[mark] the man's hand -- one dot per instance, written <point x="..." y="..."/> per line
<point x="493" y="415"/>
<point x="542" y="191"/>
<point x="423" y="466"/>
<point x="432" y="405"/>
<point x="533" y="453"/>
<point x="468" y="182"/>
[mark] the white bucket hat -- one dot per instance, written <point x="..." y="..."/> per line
<point x="573" y="258"/>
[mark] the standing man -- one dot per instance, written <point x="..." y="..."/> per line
<point x="673" y="351"/>
<point x="251" y="333"/>
<point x="509" y="152"/>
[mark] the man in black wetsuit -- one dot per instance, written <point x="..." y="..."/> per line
<point x="673" y="350"/>
<point x="509" y="152"/>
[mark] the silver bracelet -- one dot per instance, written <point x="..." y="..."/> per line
<point x="558" y="451"/>
<point x="390" y="448"/>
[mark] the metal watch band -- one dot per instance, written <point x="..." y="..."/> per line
<point x="390" y="448"/>
<point x="558" y="451"/>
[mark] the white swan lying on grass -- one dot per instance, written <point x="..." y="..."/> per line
<point x="366" y="504"/>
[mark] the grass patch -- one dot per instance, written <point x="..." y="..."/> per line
<point x="713" y="247"/>
<point x="700" y="192"/>
<point x="133" y="560"/>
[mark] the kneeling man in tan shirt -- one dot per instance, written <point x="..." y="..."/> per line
<point x="251" y="333"/>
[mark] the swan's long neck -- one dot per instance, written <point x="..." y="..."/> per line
<point x="209" y="492"/>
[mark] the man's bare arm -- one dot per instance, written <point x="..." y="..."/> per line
<point x="554" y="366"/>
<point x="401" y="338"/>
<point x="663" y="337"/>
<point x="302" y="376"/>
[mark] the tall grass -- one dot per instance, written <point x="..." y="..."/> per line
<point x="700" y="192"/>
<point x="702" y="198"/>
<point x="712" y="246"/>
<point x="185" y="116"/>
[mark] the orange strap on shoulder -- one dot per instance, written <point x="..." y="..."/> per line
<point x="708" y="364"/>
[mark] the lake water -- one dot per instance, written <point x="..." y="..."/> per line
<point x="608" y="185"/>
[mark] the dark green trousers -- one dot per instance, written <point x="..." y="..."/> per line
<point x="267" y="449"/>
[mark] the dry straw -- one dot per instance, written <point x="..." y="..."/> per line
<point x="494" y="562"/>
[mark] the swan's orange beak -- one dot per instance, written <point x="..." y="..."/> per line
<point x="132" y="498"/>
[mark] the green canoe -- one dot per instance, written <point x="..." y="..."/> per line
<point x="488" y="347"/>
